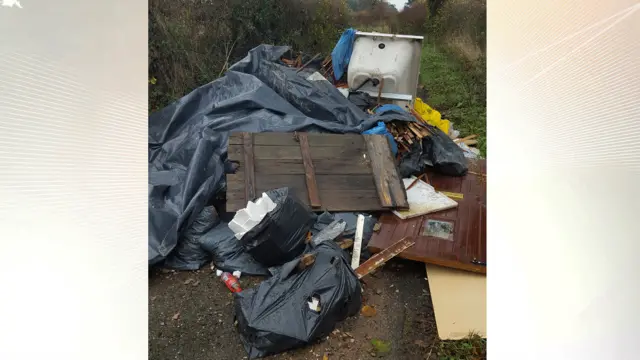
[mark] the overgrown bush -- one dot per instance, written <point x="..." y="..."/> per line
<point x="192" y="42"/>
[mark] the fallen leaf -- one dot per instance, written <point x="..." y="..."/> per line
<point x="325" y="356"/>
<point x="368" y="311"/>
<point x="196" y="283"/>
<point x="381" y="346"/>
<point x="188" y="281"/>
<point x="176" y="316"/>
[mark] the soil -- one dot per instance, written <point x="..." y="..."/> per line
<point x="191" y="317"/>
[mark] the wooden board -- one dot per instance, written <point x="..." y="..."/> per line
<point x="464" y="245"/>
<point x="328" y="172"/>
<point x="459" y="302"/>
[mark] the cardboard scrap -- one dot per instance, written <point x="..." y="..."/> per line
<point x="459" y="302"/>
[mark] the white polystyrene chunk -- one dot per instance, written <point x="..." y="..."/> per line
<point x="247" y="218"/>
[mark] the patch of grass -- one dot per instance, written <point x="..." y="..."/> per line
<point x="457" y="88"/>
<point x="471" y="348"/>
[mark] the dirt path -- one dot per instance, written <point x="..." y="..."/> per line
<point x="204" y="327"/>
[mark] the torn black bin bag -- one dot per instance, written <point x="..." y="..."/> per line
<point x="228" y="253"/>
<point x="280" y="236"/>
<point x="189" y="254"/>
<point x="437" y="151"/>
<point x="445" y="156"/>
<point x="275" y="316"/>
<point x="413" y="162"/>
<point x="351" y="219"/>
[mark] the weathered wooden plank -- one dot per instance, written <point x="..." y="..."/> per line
<point x="235" y="138"/>
<point x="272" y="152"/>
<point x="325" y="182"/>
<point x="249" y="167"/>
<point x="309" y="171"/>
<point x="390" y="187"/>
<point x="315" y="139"/>
<point x="342" y="170"/>
<point x="322" y="167"/>
<point x="334" y="200"/>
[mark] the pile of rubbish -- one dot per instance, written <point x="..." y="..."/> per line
<point x="312" y="282"/>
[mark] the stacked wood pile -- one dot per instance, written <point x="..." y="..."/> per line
<point x="406" y="133"/>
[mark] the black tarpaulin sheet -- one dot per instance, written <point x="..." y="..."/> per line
<point x="188" y="139"/>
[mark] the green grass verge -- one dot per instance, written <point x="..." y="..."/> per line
<point x="471" y="348"/>
<point x="457" y="89"/>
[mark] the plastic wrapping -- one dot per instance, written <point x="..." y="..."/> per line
<point x="350" y="220"/>
<point x="228" y="253"/>
<point x="276" y="315"/>
<point x="381" y="129"/>
<point x="280" y="236"/>
<point x="189" y="255"/>
<point x="362" y="100"/>
<point x="437" y="151"/>
<point x="341" y="53"/>
<point x="413" y="162"/>
<point x="188" y="139"/>
<point x="445" y="156"/>
<point x="329" y="233"/>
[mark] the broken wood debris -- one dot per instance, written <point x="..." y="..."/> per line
<point x="326" y="67"/>
<point x="383" y="256"/>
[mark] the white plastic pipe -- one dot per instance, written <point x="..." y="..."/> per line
<point x="357" y="242"/>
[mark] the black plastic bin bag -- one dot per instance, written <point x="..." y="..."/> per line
<point x="280" y="236"/>
<point x="276" y="315"/>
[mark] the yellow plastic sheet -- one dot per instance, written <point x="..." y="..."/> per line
<point x="431" y="115"/>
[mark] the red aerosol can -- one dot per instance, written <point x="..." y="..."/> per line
<point x="231" y="282"/>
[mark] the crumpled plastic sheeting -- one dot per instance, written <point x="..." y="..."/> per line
<point x="275" y="316"/>
<point x="189" y="255"/>
<point x="350" y="219"/>
<point x="317" y="99"/>
<point x="188" y="139"/>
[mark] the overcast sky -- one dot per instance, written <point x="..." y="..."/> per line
<point x="398" y="3"/>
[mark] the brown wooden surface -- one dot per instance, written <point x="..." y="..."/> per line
<point x="249" y="179"/>
<point x="341" y="168"/>
<point x="468" y="241"/>
<point x="309" y="171"/>
<point x="390" y="188"/>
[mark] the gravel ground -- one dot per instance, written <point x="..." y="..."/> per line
<point x="191" y="317"/>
